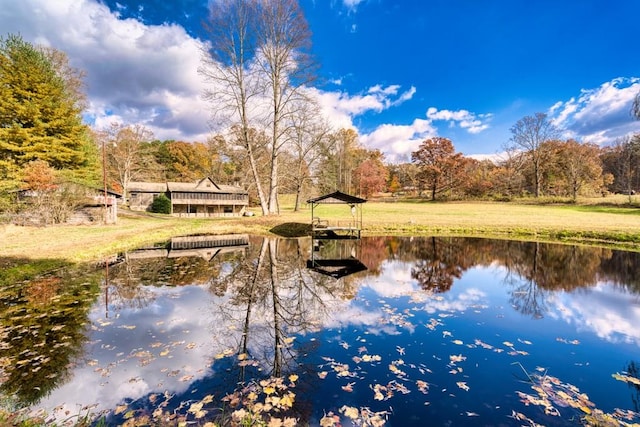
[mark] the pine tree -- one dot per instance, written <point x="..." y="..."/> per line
<point x="40" y="116"/>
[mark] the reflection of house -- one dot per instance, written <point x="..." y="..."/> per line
<point x="204" y="246"/>
<point x="203" y="198"/>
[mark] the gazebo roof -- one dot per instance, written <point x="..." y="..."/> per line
<point x="337" y="197"/>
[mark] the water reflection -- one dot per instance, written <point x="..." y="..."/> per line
<point x="198" y="316"/>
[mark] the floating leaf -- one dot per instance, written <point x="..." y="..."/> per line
<point x="351" y="412"/>
<point x="626" y="378"/>
<point x="463" y="385"/>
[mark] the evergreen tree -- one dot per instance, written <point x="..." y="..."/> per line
<point x="40" y="116"/>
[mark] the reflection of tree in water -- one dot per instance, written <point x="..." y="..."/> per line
<point x="622" y="268"/>
<point x="274" y="297"/>
<point x="633" y="370"/>
<point x="129" y="280"/>
<point x="42" y="325"/>
<point x="440" y="262"/>
<point x="533" y="270"/>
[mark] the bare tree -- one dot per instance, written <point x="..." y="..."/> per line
<point x="528" y="135"/>
<point x="286" y="65"/>
<point x="258" y="62"/>
<point x="309" y="134"/>
<point x="228" y="65"/>
<point x="127" y="154"/>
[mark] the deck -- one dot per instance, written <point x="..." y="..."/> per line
<point x="321" y="229"/>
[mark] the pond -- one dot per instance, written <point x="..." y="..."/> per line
<point x="396" y="331"/>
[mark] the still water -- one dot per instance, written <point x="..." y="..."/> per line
<point x="379" y="331"/>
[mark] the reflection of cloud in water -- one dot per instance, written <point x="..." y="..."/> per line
<point x="611" y="313"/>
<point x="469" y="298"/>
<point x="396" y="281"/>
<point x="121" y="370"/>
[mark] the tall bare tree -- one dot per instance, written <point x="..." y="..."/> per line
<point x="528" y="135"/>
<point x="284" y="44"/>
<point x="258" y="62"/>
<point x="127" y="154"/>
<point x="309" y="135"/>
<point x="228" y="64"/>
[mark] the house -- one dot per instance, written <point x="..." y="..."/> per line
<point x="199" y="199"/>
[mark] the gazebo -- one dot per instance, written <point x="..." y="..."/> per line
<point x="346" y="229"/>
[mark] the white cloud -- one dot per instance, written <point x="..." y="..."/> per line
<point x="599" y="115"/>
<point x="136" y="73"/>
<point x="352" y="5"/>
<point x="397" y="142"/>
<point x="340" y="108"/>
<point x="473" y="123"/>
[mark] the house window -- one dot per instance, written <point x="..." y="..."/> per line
<point x="193" y="209"/>
<point x="228" y="209"/>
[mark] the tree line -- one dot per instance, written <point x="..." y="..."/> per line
<point x="257" y="62"/>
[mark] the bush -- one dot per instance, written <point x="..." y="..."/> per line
<point x="161" y="204"/>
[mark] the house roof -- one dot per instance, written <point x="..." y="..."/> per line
<point x="148" y="187"/>
<point x="337" y="197"/>
<point x="205" y="185"/>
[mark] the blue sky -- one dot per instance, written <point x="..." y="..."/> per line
<point x="398" y="71"/>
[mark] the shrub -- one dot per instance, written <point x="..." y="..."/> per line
<point x="161" y="204"/>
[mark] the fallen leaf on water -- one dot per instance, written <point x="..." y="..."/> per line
<point x="626" y="378"/>
<point x="351" y="412"/>
<point x="348" y="388"/>
<point x="457" y="358"/>
<point x="463" y="385"/>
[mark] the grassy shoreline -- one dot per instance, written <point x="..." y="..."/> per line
<point x="609" y="225"/>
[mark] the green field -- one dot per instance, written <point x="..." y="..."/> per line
<point x="586" y="223"/>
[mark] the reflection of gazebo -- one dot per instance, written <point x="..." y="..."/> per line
<point x="334" y="259"/>
<point x="336" y="268"/>
<point x="323" y="229"/>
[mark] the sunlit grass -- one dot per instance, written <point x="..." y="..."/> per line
<point x="610" y="222"/>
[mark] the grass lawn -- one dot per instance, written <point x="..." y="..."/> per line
<point x="610" y="224"/>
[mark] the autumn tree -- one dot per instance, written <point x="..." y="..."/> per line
<point x="622" y="160"/>
<point x="394" y="184"/>
<point x="40" y="111"/>
<point x="338" y="160"/>
<point x="49" y="199"/>
<point x="309" y="135"/>
<point x="408" y="176"/>
<point x="371" y="175"/>
<point x="528" y="135"/>
<point x="578" y="165"/>
<point x="436" y="159"/>
<point x="508" y="178"/>
<point x="128" y="155"/>
<point x="475" y="177"/>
